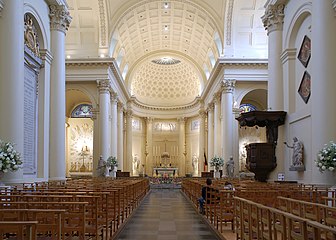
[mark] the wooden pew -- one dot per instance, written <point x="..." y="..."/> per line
<point x="19" y="230"/>
<point x="50" y="221"/>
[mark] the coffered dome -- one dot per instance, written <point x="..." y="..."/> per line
<point x="165" y="81"/>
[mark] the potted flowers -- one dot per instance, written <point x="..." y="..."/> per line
<point x="217" y="162"/>
<point x="112" y="163"/>
<point x="326" y="157"/>
<point x="10" y="159"/>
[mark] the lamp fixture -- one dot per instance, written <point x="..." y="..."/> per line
<point x="166" y="28"/>
<point x="166" y="5"/>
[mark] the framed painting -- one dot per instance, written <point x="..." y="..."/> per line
<point x="304" y="88"/>
<point x="305" y="51"/>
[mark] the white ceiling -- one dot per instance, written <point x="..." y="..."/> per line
<point x="133" y="32"/>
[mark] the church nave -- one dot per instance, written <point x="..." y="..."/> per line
<point x="166" y="214"/>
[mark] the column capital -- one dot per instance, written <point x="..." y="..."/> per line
<point x="120" y="106"/>
<point x="149" y="120"/>
<point x="217" y="98"/>
<point x="210" y="107"/>
<point x="274" y="17"/>
<point x="181" y="120"/>
<point x="103" y="85"/>
<point x="95" y="112"/>
<point x="333" y="5"/>
<point x="202" y="114"/>
<point x="114" y="98"/>
<point x="60" y="18"/>
<point x="228" y="85"/>
<point x="129" y="113"/>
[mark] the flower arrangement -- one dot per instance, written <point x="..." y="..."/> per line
<point x="10" y="159"/>
<point x="326" y="157"/>
<point x="112" y="162"/>
<point x="217" y="162"/>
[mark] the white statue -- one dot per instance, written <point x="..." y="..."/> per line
<point x="194" y="163"/>
<point x="297" y="158"/>
<point x="230" y="167"/>
<point x="136" y="163"/>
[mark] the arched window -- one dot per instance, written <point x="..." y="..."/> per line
<point x="247" y="107"/>
<point x="82" y="111"/>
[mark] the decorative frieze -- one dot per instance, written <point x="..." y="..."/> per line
<point x="274" y="17"/>
<point x="228" y="85"/>
<point x="229" y="23"/>
<point x="103" y="86"/>
<point x="59" y="18"/>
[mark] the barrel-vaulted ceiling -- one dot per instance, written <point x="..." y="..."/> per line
<point x="134" y="31"/>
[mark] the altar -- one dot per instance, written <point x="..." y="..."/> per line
<point x="169" y="171"/>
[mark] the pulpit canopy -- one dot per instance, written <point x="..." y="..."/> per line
<point x="269" y="119"/>
<point x="262" y="118"/>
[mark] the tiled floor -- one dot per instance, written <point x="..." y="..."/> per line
<point x="166" y="215"/>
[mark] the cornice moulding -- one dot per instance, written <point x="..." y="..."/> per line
<point x="89" y="62"/>
<point x="334" y="4"/>
<point x="193" y="104"/>
<point x="288" y="54"/>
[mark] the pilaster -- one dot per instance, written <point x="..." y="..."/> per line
<point x="121" y="136"/>
<point x="217" y="127"/>
<point x="181" y="147"/>
<point x="201" y="140"/>
<point x="114" y="123"/>
<point x="210" y="132"/>
<point x="149" y="148"/>
<point x="129" y="138"/>
<point x="94" y="117"/>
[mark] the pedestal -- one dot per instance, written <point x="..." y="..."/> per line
<point x="216" y="174"/>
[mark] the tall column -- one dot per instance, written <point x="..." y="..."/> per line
<point x="227" y="114"/>
<point x="149" y="140"/>
<point x="181" y="148"/>
<point x="104" y="98"/>
<point x="120" y="136"/>
<point x="129" y="133"/>
<point x="323" y="74"/>
<point x="114" y="126"/>
<point x="96" y="150"/>
<point x="210" y="132"/>
<point x="11" y="79"/>
<point x="201" y="146"/>
<point x="273" y="23"/>
<point x="217" y="127"/>
<point x="59" y="23"/>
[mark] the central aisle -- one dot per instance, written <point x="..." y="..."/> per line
<point x="166" y="215"/>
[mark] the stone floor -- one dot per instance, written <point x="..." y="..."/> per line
<point x="166" y="215"/>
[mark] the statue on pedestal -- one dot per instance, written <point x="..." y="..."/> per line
<point x="297" y="157"/>
<point x="230" y="168"/>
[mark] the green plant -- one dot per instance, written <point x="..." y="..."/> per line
<point x="112" y="162"/>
